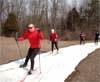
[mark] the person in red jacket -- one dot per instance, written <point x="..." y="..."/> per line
<point x="34" y="36"/>
<point x="82" y="38"/>
<point x="54" y="40"/>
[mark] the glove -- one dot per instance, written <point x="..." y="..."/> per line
<point x="20" y="39"/>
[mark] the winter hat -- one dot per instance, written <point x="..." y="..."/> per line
<point x="52" y="30"/>
<point x="30" y="25"/>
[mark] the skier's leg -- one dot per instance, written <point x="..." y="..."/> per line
<point x="83" y="41"/>
<point x="27" y="58"/>
<point x="80" y="41"/>
<point x="56" y="45"/>
<point x="34" y="53"/>
<point x="96" y="41"/>
<point x="52" y="46"/>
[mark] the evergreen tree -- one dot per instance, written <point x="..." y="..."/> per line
<point x="94" y="14"/>
<point x="73" y="20"/>
<point x="11" y="25"/>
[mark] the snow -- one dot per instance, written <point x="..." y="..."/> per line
<point x="54" y="67"/>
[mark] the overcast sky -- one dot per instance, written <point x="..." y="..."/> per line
<point x="77" y="3"/>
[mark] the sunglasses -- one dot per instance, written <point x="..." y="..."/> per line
<point x="29" y="27"/>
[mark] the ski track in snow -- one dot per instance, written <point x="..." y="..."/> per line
<point x="54" y="67"/>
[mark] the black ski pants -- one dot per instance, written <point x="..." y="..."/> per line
<point x="32" y="52"/>
<point x="56" y="45"/>
<point x="82" y="41"/>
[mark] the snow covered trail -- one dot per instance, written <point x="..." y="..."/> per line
<point x="54" y="67"/>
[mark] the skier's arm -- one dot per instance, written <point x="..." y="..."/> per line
<point x="41" y="36"/>
<point x="56" y="39"/>
<point x="56" y="36"/>
<point x="23" y="37"/>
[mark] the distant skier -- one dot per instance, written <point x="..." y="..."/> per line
<point x="33" y="35"/>
<point x="96" y="37"/>
<point x="82" y="38"/>
<point x="54" y="40"/>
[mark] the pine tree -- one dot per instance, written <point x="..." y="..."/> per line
<point x="73" y="19"/>
<point x="94" y="14"/>
<point x="11" y="25"/>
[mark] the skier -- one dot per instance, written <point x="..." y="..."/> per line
<point x="54" y="40"/>
<point x="96" y="37"/>
<point x="82" y="38"/>
<point x="34" y="35"/>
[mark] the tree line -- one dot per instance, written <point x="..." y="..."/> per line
<point x="15" y="15"/>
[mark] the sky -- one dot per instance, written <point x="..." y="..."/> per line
<point x="77" y="3"/>
<point x="74" y="2"/>
<point x="69" y="4"/>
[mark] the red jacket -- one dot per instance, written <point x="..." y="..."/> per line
<point x="33" y="37"/>
<point x="53" y="37"/>
<point x="82" y="36"/>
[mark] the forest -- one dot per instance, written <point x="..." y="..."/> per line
<point x="67" y="17"/>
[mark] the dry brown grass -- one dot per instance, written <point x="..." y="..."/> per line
<point x="88" y="70"/>
<point x="9" y="50"/>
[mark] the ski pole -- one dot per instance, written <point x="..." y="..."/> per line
<point x="16" y="37"/>
<point x="39" y="62"/>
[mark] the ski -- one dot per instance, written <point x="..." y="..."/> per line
<point x="35" y="73"/>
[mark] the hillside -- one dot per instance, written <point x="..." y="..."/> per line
<point x="88" y="70"/>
